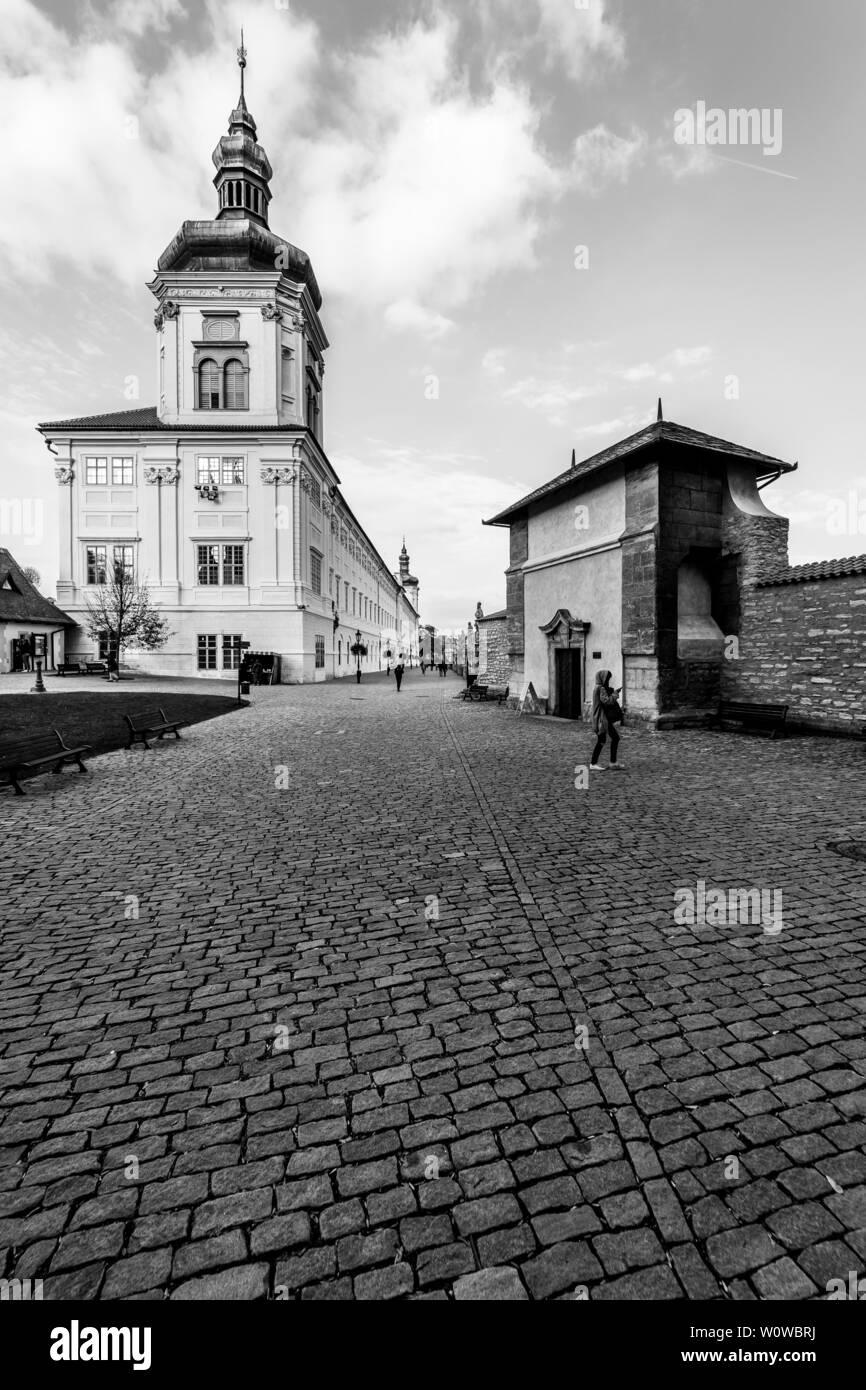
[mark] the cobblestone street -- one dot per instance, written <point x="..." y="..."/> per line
<point x="353" y="994"/>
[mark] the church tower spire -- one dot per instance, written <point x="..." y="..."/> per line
<point x="243" y="170"/>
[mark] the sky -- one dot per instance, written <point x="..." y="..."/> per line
<point x="520" y="241"/>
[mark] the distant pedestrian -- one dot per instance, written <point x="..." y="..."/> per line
<point x="423" y="668"/>
<point x="113" y="672"/>
<point x="24" y="649"/>
<point x="606" y="714"/>
<point x="257" y="672"/>
<point x="443" y="668"/>
<point x="398" y="674"/>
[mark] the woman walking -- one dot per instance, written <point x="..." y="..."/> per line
<point x="606" y="714"/>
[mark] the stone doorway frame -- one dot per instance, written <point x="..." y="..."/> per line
<point x="564" y="633"/>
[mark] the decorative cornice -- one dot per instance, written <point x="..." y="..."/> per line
<point x="64" y="473"/>
<point x="220" y="292"/>
<point x="274" y="476"/>
<point x="299" y="322"/>
<point x="271" y="312"/>
<point x="164" y="473"/>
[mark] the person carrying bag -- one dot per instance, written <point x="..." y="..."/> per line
<point x="606" y="714"/>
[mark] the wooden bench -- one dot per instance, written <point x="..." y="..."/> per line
<point x="18" y="756"/>
<point x="151" y="723"/>
<point x="758" y="716"/>
<point x="499" y="693"/>
<point x="96" y="668"/>
<point x="72" y="668"/>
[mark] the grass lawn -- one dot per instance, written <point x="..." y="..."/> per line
<point x="97" y="718"/>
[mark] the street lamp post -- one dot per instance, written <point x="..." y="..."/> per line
<point x="358" y="650"/>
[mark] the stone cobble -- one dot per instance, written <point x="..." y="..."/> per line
<point x="423" y="1022"/>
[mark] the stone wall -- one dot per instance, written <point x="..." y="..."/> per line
<point x="804" y="644"/>
<point x="495" y="665"/>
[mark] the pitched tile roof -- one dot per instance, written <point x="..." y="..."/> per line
<point x="22" y="602"/>
<point x="818" y="569"/>
<point x="489" y="617"/>
<point x="660" y="432"/>
<point x="146" y="418"/>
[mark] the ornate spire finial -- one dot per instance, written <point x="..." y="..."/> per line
<point x="242" y="62"/>
<point x="660" y="416"/>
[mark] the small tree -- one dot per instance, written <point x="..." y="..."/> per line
<point x="123" y="609"/>
<point x="31" y="573"/>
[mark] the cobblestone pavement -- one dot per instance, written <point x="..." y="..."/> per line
<point x="420" y="1022"/>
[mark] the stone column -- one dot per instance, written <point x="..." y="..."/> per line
<point x="68" y="579"/>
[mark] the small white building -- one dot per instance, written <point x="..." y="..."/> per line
<point x="221" y="497"/>
<point x="30" y="625"/>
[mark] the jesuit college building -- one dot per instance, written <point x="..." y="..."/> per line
<point x="221" y="498"/>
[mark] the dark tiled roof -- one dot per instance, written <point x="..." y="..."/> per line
<point x="23" y="603"/>
<point x="146" y="418"/>
<point x="489" y="617"/>
<point x="661" y="431"/>
<point x="818" y="569"/>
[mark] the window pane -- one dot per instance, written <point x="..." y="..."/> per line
<point x="232" y="470"/>
<point x="209" y="385"/>
<point x="233" y="564"/>
<point x="231" y="651"/>
<point x="121" y="471"/>
<point x="96" y="565"/>
<point x="208" y="469"/>
<point x="207" y="652"/>
<point x="236" y="386"/>
<point x="208" y="564"/>
<point x="320" y="652"/>
<point x="96" y="471"/>
<point x="315" y="572"/>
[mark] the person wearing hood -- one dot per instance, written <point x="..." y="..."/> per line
<point x="606" y="714"/>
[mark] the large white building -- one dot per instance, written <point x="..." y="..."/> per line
<point x="221" y="497"/>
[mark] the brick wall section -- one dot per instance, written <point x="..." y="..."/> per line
<point x="804" y="644"/>
<point x="497" y="669"/>
<point x="639" y="547"/>
<point x="514" y="586"/>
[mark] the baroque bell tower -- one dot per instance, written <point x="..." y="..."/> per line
<point x="239" y="338"/>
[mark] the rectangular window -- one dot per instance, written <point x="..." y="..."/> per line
<point x="232" y="471"/>
<point x="315" y="572"/>
<point x="354" y="600"/>
<point x="122" y="559"/>
<point x="231" y="651"/>
<point x="208" y="469"/>
<point x="347" y="596"/>
<point x="320" y="653"/>
<point x="96" y="565"/>
<point x="331" y="582"/>
<point x="316" y="492"/>
<point x="121" y="472"/>
<point x="103" y="646"/>
<point x="208" y="564"/>
<point x="233" y="564"/>
<point x="207" y="652"/>
<point x="96" y="471"/>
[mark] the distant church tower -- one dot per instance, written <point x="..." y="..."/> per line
<point x="407" y="580"/>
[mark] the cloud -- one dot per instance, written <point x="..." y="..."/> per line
<point x="600" y="158"/>
<point x="682" y="363"/>
<point x="406" y="315"/>
<point x="493" y="362"/>
<point x="580" y="37"/>
<point x="458" y="491"/>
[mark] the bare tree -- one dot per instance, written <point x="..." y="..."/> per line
<point x="122" y="608"/>
<point x="31" y="573"/>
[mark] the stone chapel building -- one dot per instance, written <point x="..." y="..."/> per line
<point x="221" y="498"/>
<point x="659" y="560"/>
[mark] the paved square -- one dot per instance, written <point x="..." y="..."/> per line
<point x="355" y="994"/>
